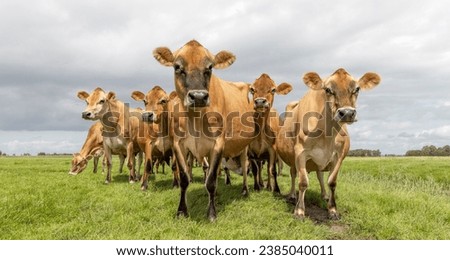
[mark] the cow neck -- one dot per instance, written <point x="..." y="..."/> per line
<point x="164" y="123"/>
<point x="116" y="107"/>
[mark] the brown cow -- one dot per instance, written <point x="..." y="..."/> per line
<point x="342" y="146"/>
<point x="210" y="115"/>
<point x="120" y="130"/>
<point x="92" y="148"/>
<point x="262" y="148"/>
<point x="309" y="139"/>
<point x="156" y="114"/>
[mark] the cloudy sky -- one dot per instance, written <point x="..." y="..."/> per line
<point x="49" y="50"/>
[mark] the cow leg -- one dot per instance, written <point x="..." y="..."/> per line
<point x="95" y="164"/>
<point x="272" y="172"/>
<point x="332" y="183"/>
<point x="104" y="164"/>
<point x="184" y="179"/>
<point x="190" y="165"/>
<point x="139" y="164"/>
<point x="122" y="162"/>
<point x="205" y="167"/>
<point x="131" y="158"/>
<point x="292" y="195"/>
<point x="148" y="166"/>
<point x="176" y="175"/>
<point x="211" y="179"/>
<point x="259" y="173"/>
<point x="323" y="191"/>
<point x="108" y="164"/>
<point x="303" y="181"/>
<point x="255" y="169"/>
<point x="244" y="164"/>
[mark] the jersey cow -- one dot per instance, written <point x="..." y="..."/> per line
<point x="91" y="149"/>
<point x="315" y="137"/>
<point x="120" y="130"/>
<point x="263" y="91"/>
<point x="160" y="140"/>
<point x="216" y="115"/>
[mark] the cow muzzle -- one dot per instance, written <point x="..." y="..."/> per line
<point x="261" y="104"/>
<point x="345" y="115"/>
<point x="88" y="115"/>
<point x="149" y="117"/>
<point x="197" y="98"/>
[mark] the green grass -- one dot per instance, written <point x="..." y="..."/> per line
<point x="378" y="198"/>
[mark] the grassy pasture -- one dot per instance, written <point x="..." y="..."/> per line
<point x="378" y="198"/>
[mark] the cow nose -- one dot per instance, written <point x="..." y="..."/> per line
<point x="148" y="116"/>
<point x="346" y="114"/>
<point x="86" y="115"/>
<point x="261" y="103"/>
<point x="199" y="97"/>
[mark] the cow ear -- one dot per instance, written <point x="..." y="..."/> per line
<point x="173" y="95"/>
<point x="83" y="95"/>
<point x="164" y="56"/>
<point x="111" y="96"/>
<point x="137" y="95"/>
<point x="223" y="59"/>
<point x="283" y="88"/>
<point x="313" y="80"/>
<point x="369" y="80"/>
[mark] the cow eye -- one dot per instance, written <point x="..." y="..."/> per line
<point x="163" y="101"/>
<point x="356" y="91"/>
<point x="101" y="102"/>
<point x="252" y="91"/>
<point x="329" y="91"/>
<point x="179" y="69"/>
<point x="145" y="102"/>
<point x="273" y="91"/>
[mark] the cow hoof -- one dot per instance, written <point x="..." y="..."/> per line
<point x="300" y="217"/>
<point x="106" y="182"/>
<point x="143" y="188"/>
<point x="181" y="214"/>
<point x="333" y="216"/>
<point x="244" y="193"/>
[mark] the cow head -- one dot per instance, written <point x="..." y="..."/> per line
<point x="79" y="163"/>
<point x="97" y="103"/>
<point x="193" y="66"/>
<point x="155" y="103"/>
<point x="263" y="91"/>
<point x="341" y="91"/>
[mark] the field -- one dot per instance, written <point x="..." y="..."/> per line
<point x="378" y="198"/>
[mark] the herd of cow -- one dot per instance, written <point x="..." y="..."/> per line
<point x="213" y="121"/>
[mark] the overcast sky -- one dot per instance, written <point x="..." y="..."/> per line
<point x="49" y="50"/>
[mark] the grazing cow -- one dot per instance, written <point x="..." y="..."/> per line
<point x="216" y="115"/>
<point x="159" y="139"/>
<point x="120" y="130"/>
<point x="262" y="148"/>
<point x="92" y="148"/>
<point x="309" y="140"/>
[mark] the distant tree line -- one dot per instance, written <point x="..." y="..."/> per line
<point x="364" y="153"/>
<point x="430" y="150"/>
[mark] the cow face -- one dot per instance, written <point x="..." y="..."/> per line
<point x="97" y="103"/>
<point x="193" y="66"/>
<point x="341" y="91"/>
<point x="79" y="163"/>
<point x="155" y="102"/>
<point x="263" y="91"/>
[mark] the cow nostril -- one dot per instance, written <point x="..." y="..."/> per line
<point x="85" y="114"/>
<point x="341" y="113"/>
